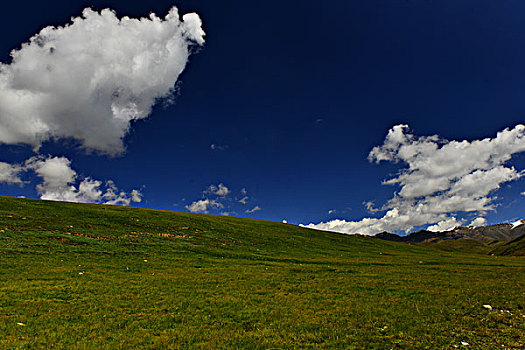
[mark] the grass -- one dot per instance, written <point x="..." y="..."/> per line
<point x="462" y="245"/>
<point x="515" y="247"/>
<point x="82" y="276"/>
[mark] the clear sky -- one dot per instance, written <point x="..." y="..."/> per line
<point x="275" y="114"/>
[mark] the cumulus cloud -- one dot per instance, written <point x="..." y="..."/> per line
<point x="219" y="190"/>
<point x="253" y="210"/>
<point x="89" y="79"/>
<point x="10" y="173"/>
<point x="440" y="179"/>
<point x="331" y="211"/>
<point x="136" y="196"/>
<point x="59" y="183"/>
<point x="445" y="225"/>
<point x="203" y="205"/>
<point x="478" y="222"/>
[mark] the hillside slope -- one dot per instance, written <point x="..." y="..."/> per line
<point x="105" y="277"/>
<point x="516" y="247"/>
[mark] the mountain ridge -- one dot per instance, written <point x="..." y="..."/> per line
<point x="510" y="235"/>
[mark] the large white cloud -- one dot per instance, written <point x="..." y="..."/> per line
<point x="89" y="79"/>
<point x="441" y="180"/>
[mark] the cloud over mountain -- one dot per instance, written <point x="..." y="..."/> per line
<point x="440" y="180"/>
<point x="89" y="79"/>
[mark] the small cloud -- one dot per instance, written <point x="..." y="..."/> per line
<point x="219" y="190"/>
<point x="319" y="120"/>
<point x="370" y="207"/>
<point x="243" y="200"/>
<point x="445" y="225"/>
<point x="478" y="222"/>
<point x="203" y="205"/>
<point x="216" y="147"/>
<point x="10" y="173"/>
<point x="244" y="192"/>
<point x="136" y="196"/>
<point x="253" y="210"/>
<point x="523" y="193"/>
<point x="331" y="211"/>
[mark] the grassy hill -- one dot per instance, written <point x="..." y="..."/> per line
<point x="515" y="247"/>
<point x="462" y="245"/>
<point x="105" y="277"/>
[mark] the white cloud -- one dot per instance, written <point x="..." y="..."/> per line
<point x="219" y="190"/>
<point x="136" y="196"/>
<point x="203" y="205"/>
<point x="445" y="225"/>
<point x="331" y="211"/>
<point x="478" y="222"/>
<point x="88" y="80"/>
<point x="216" y="197"/>
<point x="523" y="193"/>
<point x="370" y="207"/>
<point x="59" y="183"/>
<point x="10" y="173"/>
<point x="441" y="179"/>
<point x="114" y="196"/>
<point x="253" y="210"/>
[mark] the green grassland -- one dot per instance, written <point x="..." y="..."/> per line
<point x="80" y="276"/>
<point x="463" y="245"/>
<point x="515" y="247"/>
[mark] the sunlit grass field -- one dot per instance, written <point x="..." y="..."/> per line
<point x="79" y="276"/>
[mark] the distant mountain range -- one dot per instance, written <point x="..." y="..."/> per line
<point x="499" y="238"/>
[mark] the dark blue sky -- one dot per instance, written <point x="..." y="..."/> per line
<point x="299" y="92"/>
